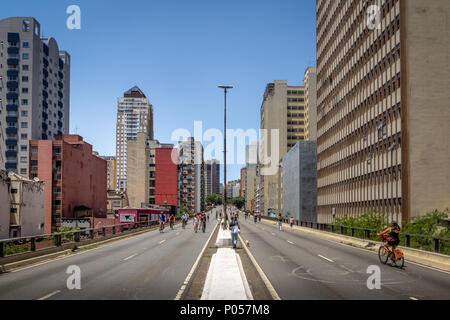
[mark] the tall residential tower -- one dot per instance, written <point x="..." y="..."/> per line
<point x="34" y="90"/>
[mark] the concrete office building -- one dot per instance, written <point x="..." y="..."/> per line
<point x="75" y="179"/>
<point x="34" y="90"/>
<point x="310" y="85"/>
<point x="166" y="175"/>
<point x="243" y="185"/>
<point x="251" y="160"/>
<point x="300" y="181"/>
<point x="134" y="114"/>
<point x="115" y="200"/>
<point x="283" y="109"/>
<point x="212" y="176"/>
<point x="141" y="170"/>
<point x="383" y="108"/>
<point x="191" y="181"/>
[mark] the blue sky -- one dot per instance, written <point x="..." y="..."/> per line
<point x="177" y="52"/>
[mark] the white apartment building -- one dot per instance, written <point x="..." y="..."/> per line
<point x="134" y="114"/>
<point x="34" y="90"/>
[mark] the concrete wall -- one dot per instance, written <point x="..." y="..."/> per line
<point x="428" y="105"/>
<point x="300" y="181"/>
<point x="138" y="171"/>
<point x="4" y="205"/>
<point x="166" y="176"/>
<point x="32" y="217"/>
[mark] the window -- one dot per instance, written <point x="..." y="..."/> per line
<point x="24" y="124"/>
<point x="26" y="45"/>
<point x="24" y="102"/>
<point x="25" y="56"/>
<point x="23" y="171"/>
<point x="24" y="90"/>
<point x="24" y="113"/>
<point x="24" y="79"/>
<point x="25" y="67"/>
<point x="23" y="148"/>
<point x="24" y="136"/>
<point x="23" y="159"/>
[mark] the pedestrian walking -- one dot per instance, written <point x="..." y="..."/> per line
<point x="291" y="221"/>
<point x="280" y="221"/>
<point x="195" y="223"/>
<point x="203" y="221"/>
<point x="235" y="230"/>
<point x="255" y="217"/>
<point x="259" y="217"/>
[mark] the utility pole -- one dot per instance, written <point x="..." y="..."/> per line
<point x="225" y="151"/>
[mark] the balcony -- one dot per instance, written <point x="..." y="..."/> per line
<point x="45" y="83"/>
<point x="44" y="136"/>
<point x="11" y="142"/>
<point x="12" y="84"/>
<point x="45" y="61"/>
<point x="45" y="72"/>
<point x="10" y="165"/>
<point x="11" y="153"/>
<point x="60" y="114"/>
<point x="44" y="115"/>
<point x="45" y="93"/>
<point x="60" y="84"/>
<point x="11" y="119"/>
<point x="60" y="94"/>
<point x="12" y="73"/>
<point x="11" y="130"/>
<point x="13" y="37"/>
<point x="60" y="104"/>
<point x="60" y="74"/>
<point x="60" y="124"/>
<point x="45" y="49"/>
<point x="12" y="107"/>
<point x="12" y="95"/>
<point x="12" y="61"/>
<point x="61" y="64"/>
<point x="44" y="104"/>
<point x="44" y="126"/>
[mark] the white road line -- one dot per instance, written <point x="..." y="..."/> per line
<point x="325" y="258"/>
<point x="50" y="295"/>
<point x="412" y="298"/>
<point x="162" y="241"/>
<point x="130" y="257"/>
<point x="144" y="248"/>
<point x="177" y="233"/>
<point x="290" y="242"/>
<point x="348" y="269"/>
<point x="273" y="234"/>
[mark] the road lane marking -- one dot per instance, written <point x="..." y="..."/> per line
<point x="50" y="295"/>
<point x="412" y="298"/>
<point x="162" y="241"/>
<point x="348" y="269"/>
<point x="325" y="258"/>
<point x="144" y="248"/>
<point x="130" y="257"/>
<point x="188" y="278"/>
<point x="290" y="242"/>
<point x="273" y="234"/>
<point x="177" y="233"/>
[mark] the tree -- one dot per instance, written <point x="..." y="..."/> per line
<point x="238" y="202"/>
<point x="214" y="198"/>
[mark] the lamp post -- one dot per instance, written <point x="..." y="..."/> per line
<point x="225" y="89"/>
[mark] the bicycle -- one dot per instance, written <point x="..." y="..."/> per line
<point x="171" y="225"/>
<point x="384" y="254"/>
<point x="161" y="227"/>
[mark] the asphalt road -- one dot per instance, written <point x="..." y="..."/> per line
<point x="302" y="266"/>
<point x="153" y="266"/>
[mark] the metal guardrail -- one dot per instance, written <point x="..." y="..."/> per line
<point x="438" y="242"/>
<point x="31" y="243"/>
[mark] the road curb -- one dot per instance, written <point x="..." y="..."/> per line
<point x="429" y="259"/>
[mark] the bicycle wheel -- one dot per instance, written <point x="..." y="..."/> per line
<point x="383" y="255"/>
<point x="399" y="262"/>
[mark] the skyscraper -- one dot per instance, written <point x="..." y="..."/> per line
<point x="34" y="90"/>
<point x="134" y="114"/>
<point x="383" y="107"/>
<point x="212" y="176"/>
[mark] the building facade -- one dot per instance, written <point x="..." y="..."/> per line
<point x="299" y="179"/>
<point x="166" y="175"/>
<point x="34" y="90"/>
<point x="191" y="181"/>
<point x="251" y="160"/>
<point x="111" y="172"/>
<point x="212" y="176"/>
<point x="134" y="115"/>
<point x="310" y="85"/>
<point x="75" y="179"/>
<point x="382" y="91"/>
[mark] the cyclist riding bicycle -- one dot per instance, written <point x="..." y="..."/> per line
<point x="184" y="219"/>
<point x="393" y="239"/>
<point x="162" y="220"/>
<point x="171" y="221"/>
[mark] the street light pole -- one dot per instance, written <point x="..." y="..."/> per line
<point x="225" y="88"/>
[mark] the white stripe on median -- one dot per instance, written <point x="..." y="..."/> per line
<point x="130" y="257"/>
<point x="50" y="295"/>
<point x="290" y="242"/>
<point x="325" y="258"/>
<point x="162" y="241"/>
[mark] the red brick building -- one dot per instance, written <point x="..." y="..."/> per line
<point x="75" y="179"/>
<point x="166" y="181"/>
